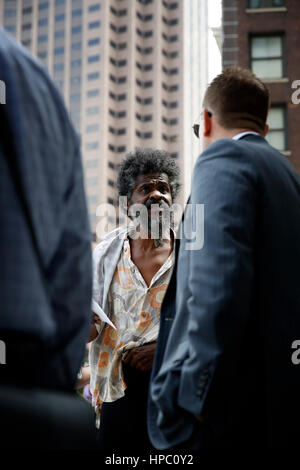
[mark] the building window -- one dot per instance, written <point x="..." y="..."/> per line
<point x="91" y="181"/>
<point x="121" y="97"/>
<point x="60" y="2"/>
<point x="95" y="7"/>
<point x="118" y="63"/>
<point x="144" y="51"/>
<point x="110" y="201"/>
<point x="10" y="29"/>
<point x="92" y="111"/>
<point x="26" y="42"/>
<point x="58" y="67"/>
<point x="76" y="13"/>
<point x="170" y="6"/>
<point x="115" y="114"/>
<point x="92" y="145"/>
<point x="277" y="132"/>
<point x="94" y="25"/>
<point x="144" y="118"/>
<point x="94" y="41"/>
<point x="118" y="80"/>
<point x="111" y="165"/>
<point x="76" y="46"/>
<point x="75" y="97"/>
<point x="92" y="93"/>
<point x="26" y="27"/>
<point x="144" y="68"/>
<point x="59" y="50"/>
<point x="170" y="105"/>
<point x="27" y="11"/>
<point x="92" y="128"/>
<point x="141" y="84"/>
<point x="169" y="72"/>
<point x="118" y="13"/>
<point x="121" y="46"/>
<point x="93" y="198"/>
<point x="111" y="183"/>
<point x="59" y="34"/>
<point x="60" y="17"/>
<point x="10" y="13"/>
<point x="75" y="80"/>
<point x="75" y="63"/>
<point x="266" y="3"/>
<point x="43" y="6"/>
<point x="144" y="101"/>
<point x="172" y="38"/>
<point x="170" y="138"/>
<point x="144" y="34"/>
<point x="144" y="135"/>
<point x="267" y="56"/>
<point x="43" y="38"/>
<point x="43" y="22"/>
<point x="120" y="149"/>
<point x="42" y="55"/>
<point x="145" y="2"/>
<point x="170" y="122"/>
<point x="76" y="29"/>
<point x="170" y="88"/>
<point x="170" y="55"/>
<point x="144" y="17"/>
<point x="171" y="22"/>
<point x="93" y="58"/>
<point x="117" y="131"/>
<point x="118" y="30"/>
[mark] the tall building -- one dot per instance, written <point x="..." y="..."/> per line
<point x="263" y="35"/>
<point x="131" y="73"/>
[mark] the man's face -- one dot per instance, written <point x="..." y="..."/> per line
<point x="153" y="188"/>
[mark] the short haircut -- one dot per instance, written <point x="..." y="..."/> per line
<point x="143" y="162"/>
<point x="238" y="99"/>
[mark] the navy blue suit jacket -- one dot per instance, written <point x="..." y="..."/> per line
<point x="232" y="309"/>
<point x="45" y="239"/>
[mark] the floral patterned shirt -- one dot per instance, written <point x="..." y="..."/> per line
<point x="135" y="311"/>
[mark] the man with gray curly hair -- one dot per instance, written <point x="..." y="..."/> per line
<point x="132" y="269"/>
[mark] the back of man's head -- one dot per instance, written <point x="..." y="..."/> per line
<point x="238" y="100"/>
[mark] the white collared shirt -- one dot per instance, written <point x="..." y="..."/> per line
<point x="241" y="134"/>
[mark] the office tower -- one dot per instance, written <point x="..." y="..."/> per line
<point x="263" y="35"/>
<point x="131" y="73"/>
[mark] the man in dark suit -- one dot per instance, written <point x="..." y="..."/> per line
<point x="223" y="374"/>
<point x="45" y="253"/>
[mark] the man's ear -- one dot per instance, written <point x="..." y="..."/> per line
<point x="267" y="127"/>
<point x="206" y="124"/>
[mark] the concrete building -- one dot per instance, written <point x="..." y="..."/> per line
<point x="132" y="73"/>
<point x="263" y="35"/>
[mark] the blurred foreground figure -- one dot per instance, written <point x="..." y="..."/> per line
<point x="224" y="373"/>
<point x="45" y="277"/>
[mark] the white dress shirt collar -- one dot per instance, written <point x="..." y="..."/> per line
<point x="241" y="134"/>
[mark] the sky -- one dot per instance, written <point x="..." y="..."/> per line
<point x="214" y="19"/>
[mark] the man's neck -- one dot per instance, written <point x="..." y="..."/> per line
<point x="148" y="244"/>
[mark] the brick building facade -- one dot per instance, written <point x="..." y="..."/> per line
<point x="264" y="35"/>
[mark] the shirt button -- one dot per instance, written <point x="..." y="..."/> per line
<point x="132" y="270"/>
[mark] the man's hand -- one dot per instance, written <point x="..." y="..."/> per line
<point x="141" y="358"/>
<point x="93" y="331"/>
